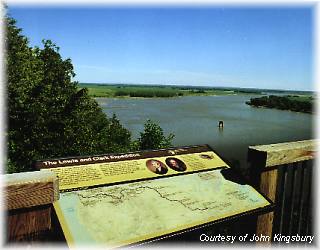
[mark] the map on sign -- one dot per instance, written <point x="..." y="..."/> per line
<point x="117" y="200"/>
<point x="123" y="214"/>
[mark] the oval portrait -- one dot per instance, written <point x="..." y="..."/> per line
<point x="156" y="166"/>
<point x="176" y="164"/>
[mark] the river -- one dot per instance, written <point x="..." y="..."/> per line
<point x="194" y="120"/>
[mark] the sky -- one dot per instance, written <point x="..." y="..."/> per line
<point x="249" y="47"/>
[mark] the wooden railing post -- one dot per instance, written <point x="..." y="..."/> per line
<point x="28" y="198"/>
<point x="264" y="161"/>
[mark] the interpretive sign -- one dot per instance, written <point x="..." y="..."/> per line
<point x="106" y="169"/>
<point x="128" y="198"/>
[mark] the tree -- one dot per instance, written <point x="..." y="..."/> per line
<point x="119" y="140"/>
<point x="153" y="137"/>
<point x="23" y="75"/>
<point x="49" y="116"/>
<point x="294" y="103"/>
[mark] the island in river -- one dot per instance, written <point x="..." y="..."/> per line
<point x="296" y="103"/>
<point x="193" y="118"/>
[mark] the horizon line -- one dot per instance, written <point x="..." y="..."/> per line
<point x="190" y="85"/>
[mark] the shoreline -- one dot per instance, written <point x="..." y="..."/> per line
<point x="157" y="97"/>
<point x="115" y="91"/>
<point x="167" y="97"/>
<point x="138" y="92"/>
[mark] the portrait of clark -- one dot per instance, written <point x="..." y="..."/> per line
<point x="176" y="164"/>
<point x="156" y="166"/>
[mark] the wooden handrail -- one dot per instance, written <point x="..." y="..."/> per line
<point x="29" y="195"/>
<point x="283" y="153"/>
<point x="264" y="162"/>
<point x="28" y="198"/>
<point x="30" y="189"/>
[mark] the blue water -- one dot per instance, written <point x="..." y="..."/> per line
<point x="194" y="120"/>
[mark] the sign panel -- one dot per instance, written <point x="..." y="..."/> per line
<point x="159" y="193"/>
<point x="81" y="172"/>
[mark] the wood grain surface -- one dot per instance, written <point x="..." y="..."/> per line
<point x="29" y="223"/>
<point x="28" y="189"/>
<point x="284" y="153"/>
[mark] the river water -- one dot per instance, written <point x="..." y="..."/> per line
<point x="194" y="120"/>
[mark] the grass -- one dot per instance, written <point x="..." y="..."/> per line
<point x="301" y="98"/>
<point x="106" y="90"/>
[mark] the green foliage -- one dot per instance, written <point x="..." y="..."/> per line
<point x="147" y="92"/>
<point x="197" y="91"/>
<point x="119" y="137"/>
<point x="151" y="91"/>
<point x="50" y="116"/>
<point x="294" y="103"/>
<point x="153" y="137"/>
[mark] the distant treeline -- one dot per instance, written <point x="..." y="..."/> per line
<point x="147" y="93"/>
<point x="199" y="89"/>
<point x="288" y="102"/>
<point x="194" y="89"/>
<point x="150" y="91"/>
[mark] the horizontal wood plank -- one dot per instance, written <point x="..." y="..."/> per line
<point x="283" y="153"/>
<point x="29" y="189"/>
<point x="28" y="223"/>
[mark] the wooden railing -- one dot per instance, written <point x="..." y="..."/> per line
<point x="283" y="172"/>
<point x="29" y="197"/>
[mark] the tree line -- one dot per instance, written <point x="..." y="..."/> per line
<point x="49" y="116"/>
<point x="147" y="93"/>
<point x="293" y="103"/>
